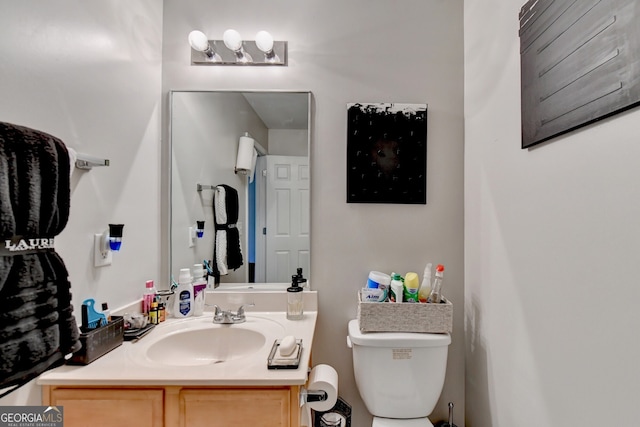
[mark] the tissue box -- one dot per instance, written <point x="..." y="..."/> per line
<point x="405" y="317"/>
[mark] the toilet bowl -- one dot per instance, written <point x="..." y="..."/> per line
<point x="399" y="375"/>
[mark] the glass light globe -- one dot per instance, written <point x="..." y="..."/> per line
<point x="264" y="41"/>
<point x="198" y="40"/>
<point x="232" y="40"/>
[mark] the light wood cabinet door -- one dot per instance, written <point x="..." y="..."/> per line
<point x="259" y="407"/>
<point x="97" y="407"/>
<point x="175" y="406"/>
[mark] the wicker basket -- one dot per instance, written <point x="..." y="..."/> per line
<point x="99" y="342"/>
<point x="405" y="317"/>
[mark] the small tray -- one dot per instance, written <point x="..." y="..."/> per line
<point x="136" y="334"/>
<point x="284" y="363"/>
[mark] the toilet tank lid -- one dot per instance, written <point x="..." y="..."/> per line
<point x="395" y="339"/>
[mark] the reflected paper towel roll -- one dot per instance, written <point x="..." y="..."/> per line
<point x="324" y="378"/>
<point x="245" y="154"/>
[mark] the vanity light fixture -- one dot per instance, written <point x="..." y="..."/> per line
<point x="106" y="243"/>
<point x="232" y="50"/>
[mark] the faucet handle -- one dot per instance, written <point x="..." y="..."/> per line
<point x="218" y="313"/>
<point x="241" y="308"/>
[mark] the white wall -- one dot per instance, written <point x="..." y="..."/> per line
<point x="289" y="142"/>
<point x="89" y="73"/>
<point x="356" y="51"/>
<point x="551" y="251"/>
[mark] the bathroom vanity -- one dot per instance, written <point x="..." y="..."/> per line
<point x="192" y="406"/>
<point x="191" y="372"/>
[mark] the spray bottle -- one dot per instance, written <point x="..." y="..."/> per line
<point x="436" y="291"/>
<point x="425" y="287"/>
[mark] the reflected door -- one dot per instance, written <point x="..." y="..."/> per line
<point x="287" y="222"/>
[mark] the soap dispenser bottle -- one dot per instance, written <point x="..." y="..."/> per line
<point x="294" y="300"/>
<point x="300" y="278"/>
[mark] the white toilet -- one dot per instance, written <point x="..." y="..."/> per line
<point x="399" y="374"/>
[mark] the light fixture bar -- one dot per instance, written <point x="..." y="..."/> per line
<point x="228" y="57"/>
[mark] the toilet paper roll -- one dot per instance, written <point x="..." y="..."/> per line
<point x="324" y="378"/>
<point x="245" y="154"/>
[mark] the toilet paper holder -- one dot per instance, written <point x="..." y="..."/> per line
<point x="312" y="396"/>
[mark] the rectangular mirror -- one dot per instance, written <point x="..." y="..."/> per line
<point x="273" y="226"/>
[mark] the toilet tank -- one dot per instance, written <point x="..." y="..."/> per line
<point x="399" y="374"/>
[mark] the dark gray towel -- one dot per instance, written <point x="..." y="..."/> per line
<point x="37" y="326"/>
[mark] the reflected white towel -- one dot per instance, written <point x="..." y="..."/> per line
<point x="219" y="198"/>
<point x="73" y="156"/>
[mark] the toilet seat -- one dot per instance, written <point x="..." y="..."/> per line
<point x="396" y="422"/>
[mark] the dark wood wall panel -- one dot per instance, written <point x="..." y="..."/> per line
<point x="580" y="62"/>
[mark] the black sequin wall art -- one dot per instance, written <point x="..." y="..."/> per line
<point x="387" y="153"/>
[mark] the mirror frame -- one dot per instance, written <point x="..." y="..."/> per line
<point x="167" y="250"/>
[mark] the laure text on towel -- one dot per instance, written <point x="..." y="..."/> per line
<point x="20" y="244"/>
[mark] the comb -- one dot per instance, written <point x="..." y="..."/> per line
<point x="94" y="319"/>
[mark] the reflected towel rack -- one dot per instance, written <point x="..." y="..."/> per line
<point x="201" y="187"/>
<point x="86" y="162"/>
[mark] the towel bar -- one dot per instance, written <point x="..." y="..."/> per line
<point x="201" y="187"/>
<point x="87" y="162"/>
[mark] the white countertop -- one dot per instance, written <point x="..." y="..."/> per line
<point x="128" y="364"/>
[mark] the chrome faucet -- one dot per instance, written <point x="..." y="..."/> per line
<point x="227" y="317"/>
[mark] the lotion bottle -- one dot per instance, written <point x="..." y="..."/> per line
<point x="199" y="287"/>
<point x="183" y="302"/>
<point x="148" y="296"/>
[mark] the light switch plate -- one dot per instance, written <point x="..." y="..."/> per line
<point x="98" y="259"/>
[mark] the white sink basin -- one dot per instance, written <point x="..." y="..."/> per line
<point x="197" y="342"/>
<point x="205" y="346"/>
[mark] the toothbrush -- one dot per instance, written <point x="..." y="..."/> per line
<point x="208" y="267"/>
